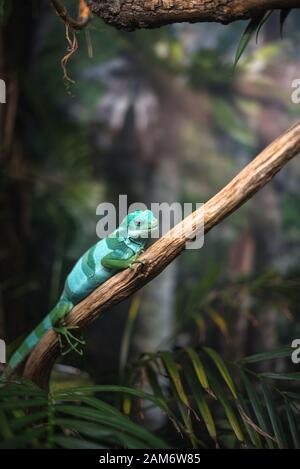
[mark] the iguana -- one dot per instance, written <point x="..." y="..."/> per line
<point x="116" y="252"/>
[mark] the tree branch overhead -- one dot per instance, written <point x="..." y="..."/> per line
<point x="135" y="14"/>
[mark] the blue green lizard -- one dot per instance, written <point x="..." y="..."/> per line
<point x="116" y="252"/>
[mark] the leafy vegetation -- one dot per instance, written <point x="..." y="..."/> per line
<point x="253" y="29"/>
<point x="208" y="403"/>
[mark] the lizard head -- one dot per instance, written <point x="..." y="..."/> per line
<point x="139" y="224"/>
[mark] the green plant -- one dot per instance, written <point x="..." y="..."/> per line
<point x="228" y="405"/>
<point x="209" y="403"/>
<point x="253" y="28"/>
<point x="71" y="418"/>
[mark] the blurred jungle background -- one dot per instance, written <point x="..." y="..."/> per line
<point x="160" y="116"/>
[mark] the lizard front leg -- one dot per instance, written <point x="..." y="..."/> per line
<point x="121" y="259"/>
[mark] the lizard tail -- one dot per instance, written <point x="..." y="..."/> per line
<point x="59" y="311"/>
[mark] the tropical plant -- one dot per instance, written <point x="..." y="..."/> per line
<point x="209" y="403"/>
<point x="69" y="419"/>
<point x="253" y="28"/>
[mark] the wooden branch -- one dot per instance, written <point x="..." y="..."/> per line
<point x="254" y="176"/>
<point x="133" y="14"/>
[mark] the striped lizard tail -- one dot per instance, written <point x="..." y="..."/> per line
<point x="59" y="311"/>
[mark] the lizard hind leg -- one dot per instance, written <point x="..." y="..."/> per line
<point x="67" y="340"/>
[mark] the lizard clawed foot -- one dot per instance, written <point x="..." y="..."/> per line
<point x="74" y="342"/>
<point x="137" y="262"/>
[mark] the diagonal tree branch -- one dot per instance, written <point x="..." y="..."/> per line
<point x="254" y="176"/>
<point x="130" y="15"/>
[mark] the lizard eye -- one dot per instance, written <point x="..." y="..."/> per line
<point x="138" y="223"/>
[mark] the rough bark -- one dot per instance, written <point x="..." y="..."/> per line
<point x="254" y="176"/>
<point x="134" y="14"/>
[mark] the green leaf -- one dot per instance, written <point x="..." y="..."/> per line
<point x="17" y="404"/>
<point x="252" y="429"/>
<point x="263" y="21"/>
<point x="101" y="433"/>
<point x="273" y="413"/>
<point x="233" y="420"/>
<point x="203" y="407"/>
<point x="76" y="393"/>
<point x="222" y="369"/>
<point x="153" y="381"/>
<point x="294" y="428"/>
<point x="219" y="321"/>
<point x="171" y="368"/>
<point x="97" y="404"/>
<point x="5" y="429"/>
<point x="104" y="407"/>
<point x="26" y="420"/>
<point x="161" y="399"/>
<point x="230" y="414"/>
<point x="14" y="389"/>
<point x="198" y="367"/>
<point x="281" y="376"/>
<point x="69" y="442"/>
<point x="81" y="390"/>
<point x="258" y="409"/>
<point x="183" y="403"/>
<point x="292" y="395"/>
<point x="247" y="35"/>
<point x="25" y="439"/>
<point x="279" y="353"/>
<point x="121" y="423"/>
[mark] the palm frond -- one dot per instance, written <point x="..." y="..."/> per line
<point x="209" y="401"/>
